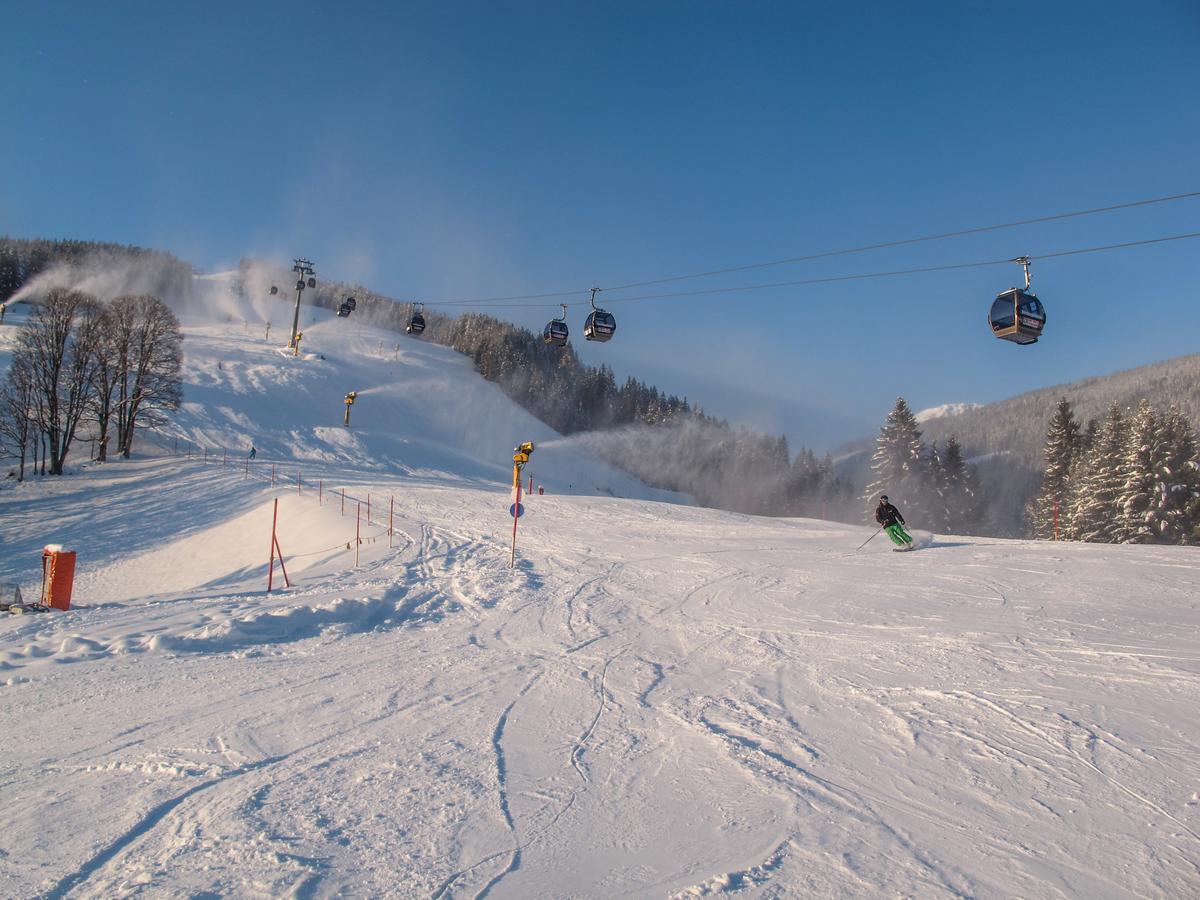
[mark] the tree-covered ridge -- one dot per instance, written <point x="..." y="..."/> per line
<point x="158" y="272"/>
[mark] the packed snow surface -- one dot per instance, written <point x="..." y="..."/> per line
<point x="658" y="700"/>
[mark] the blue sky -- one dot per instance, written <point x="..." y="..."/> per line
<point x="441" y="150"/>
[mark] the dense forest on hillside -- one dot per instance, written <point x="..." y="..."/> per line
<point x="91" y="267"/>
<point x="1007" y="437"/>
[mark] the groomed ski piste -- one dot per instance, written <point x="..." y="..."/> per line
<point x="658" y="701"/>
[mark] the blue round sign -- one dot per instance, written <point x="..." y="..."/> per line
<point x="517" y="510"/>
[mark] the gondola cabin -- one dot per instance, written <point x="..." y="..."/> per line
<point x="416" y="324"/>
<point x="556" y="333"/>
<point x="352" y="303"/>
<point x="1017" y="316"/>
<point x="344" y="311"/>
<point x="600" y="325"/>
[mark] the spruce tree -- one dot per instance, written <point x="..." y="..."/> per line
<point x="1095" y="516"/>
<point x="960" y="489"/>
<point x="1142" y="474"/>
<point x="1176" y="508"/>
<point x="898" y="464"/>
<point x="1062" y="449"/>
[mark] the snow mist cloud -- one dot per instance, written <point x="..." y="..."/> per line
<point x="105" y="278"/>
<point x="692" y="456"/>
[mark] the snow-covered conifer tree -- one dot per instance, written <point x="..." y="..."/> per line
<point x="1095" y="516"/>
<point x="1143" y="476"/>
<point x="1063" y="446"/>
<point x="898" y="465"/>
<point x="960" y="488"/>
<point x="1176" y="508"/>
<point x="938" y="491"/>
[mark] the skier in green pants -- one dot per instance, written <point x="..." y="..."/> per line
<point x="893" y="523"/>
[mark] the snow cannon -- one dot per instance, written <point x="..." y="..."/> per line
<point x="521" y="456"/>
<point x="349" y="401"/>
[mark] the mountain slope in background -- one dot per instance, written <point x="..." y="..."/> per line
<point x="1005" y="439"/>
<point x="420" y="409"/>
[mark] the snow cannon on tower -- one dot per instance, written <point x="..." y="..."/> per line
<point x="521" y="456"/>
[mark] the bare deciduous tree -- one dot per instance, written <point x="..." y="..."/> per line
<point x="17" y="410"/>
<point x="143" y="346"/>
<point x="59" y="343"/>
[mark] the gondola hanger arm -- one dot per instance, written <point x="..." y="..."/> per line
<point x="1024" y="262"/>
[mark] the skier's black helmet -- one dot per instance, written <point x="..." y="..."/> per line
<point x="883" y="498"/>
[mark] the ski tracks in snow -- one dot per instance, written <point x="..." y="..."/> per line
<point x="143" y="826"/>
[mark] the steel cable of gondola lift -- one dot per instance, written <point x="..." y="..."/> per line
<point x="981" y="229"/>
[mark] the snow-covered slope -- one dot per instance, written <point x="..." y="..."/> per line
<point x="945" y="410"/>
<point x="658" y="700"/>
<point x="420" y="408"/>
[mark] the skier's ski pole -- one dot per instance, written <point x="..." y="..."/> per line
<point x="868" y="540"/>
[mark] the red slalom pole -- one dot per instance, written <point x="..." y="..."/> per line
<point x="368" y="509"/>
<point x="279" y="551"/>
<point x="271" y="562"/>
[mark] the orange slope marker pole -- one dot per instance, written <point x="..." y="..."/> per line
<point x="271" y="563"/>
<point x="279" y="551"/>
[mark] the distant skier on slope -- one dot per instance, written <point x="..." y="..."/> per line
<point x="253" y="451"/>
<point x="893" y="523"/>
